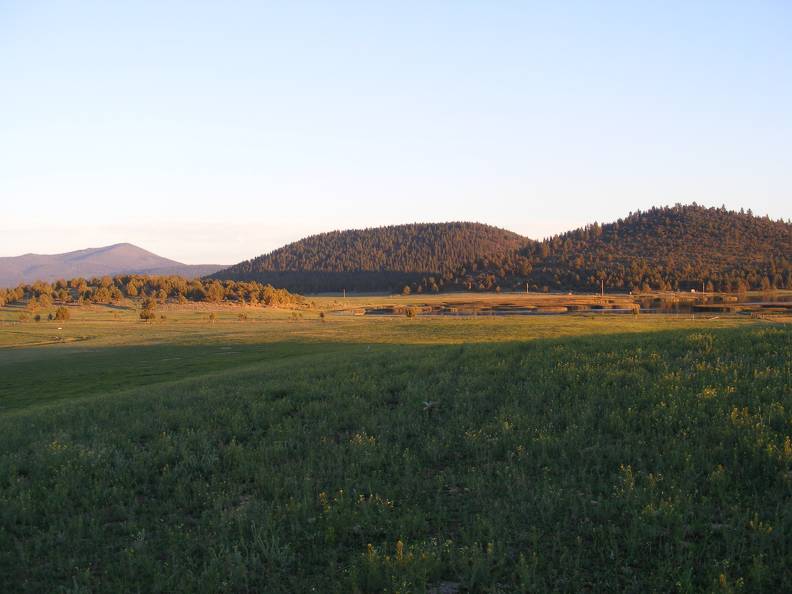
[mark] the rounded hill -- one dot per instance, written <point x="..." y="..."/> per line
<point x="679" y="247"/>
<point x="377" y="258"/>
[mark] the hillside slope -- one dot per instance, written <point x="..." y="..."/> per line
<point x="120" y="258"/>
<point x="677" y="247"/>
<point x="669" y="248"/>
<point x="680" y="247"/>
<point x="383" y="258"/>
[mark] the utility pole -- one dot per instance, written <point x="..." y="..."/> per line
<point x="602" y="288"/>
<point x="344" y="293"/>
<point x="526" y="288"/>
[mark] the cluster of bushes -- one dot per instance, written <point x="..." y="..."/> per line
<point x="60" y="314"/>
<point x="158" y="289"/>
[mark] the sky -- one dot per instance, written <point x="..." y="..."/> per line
<point x="212" y="132"/>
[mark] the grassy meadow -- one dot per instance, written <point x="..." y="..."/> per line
<point x="289" y="452"/>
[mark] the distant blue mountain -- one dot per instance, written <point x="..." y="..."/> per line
<point x="120" y="258"/>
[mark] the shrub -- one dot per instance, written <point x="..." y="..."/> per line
<point x="62" y="313"/>
<point x="148" y="312"/>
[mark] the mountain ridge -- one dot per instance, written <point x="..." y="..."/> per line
<point x="663" y="248"/>
<point x="118" y="258"/>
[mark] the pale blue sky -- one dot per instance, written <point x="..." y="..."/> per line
<point x="215" y="131"/>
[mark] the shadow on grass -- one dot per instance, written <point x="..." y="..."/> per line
<point x="62" y="375"/>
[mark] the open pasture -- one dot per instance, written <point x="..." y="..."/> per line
<point x="287" y="452"/>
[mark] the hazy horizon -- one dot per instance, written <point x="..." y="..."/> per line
<point x="148" y="235"/>
<point x="209" y="134"/>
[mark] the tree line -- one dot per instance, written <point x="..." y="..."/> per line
<point x="159" y="289"/>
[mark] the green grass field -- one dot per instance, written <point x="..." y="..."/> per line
<point x="281" y="454"/>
